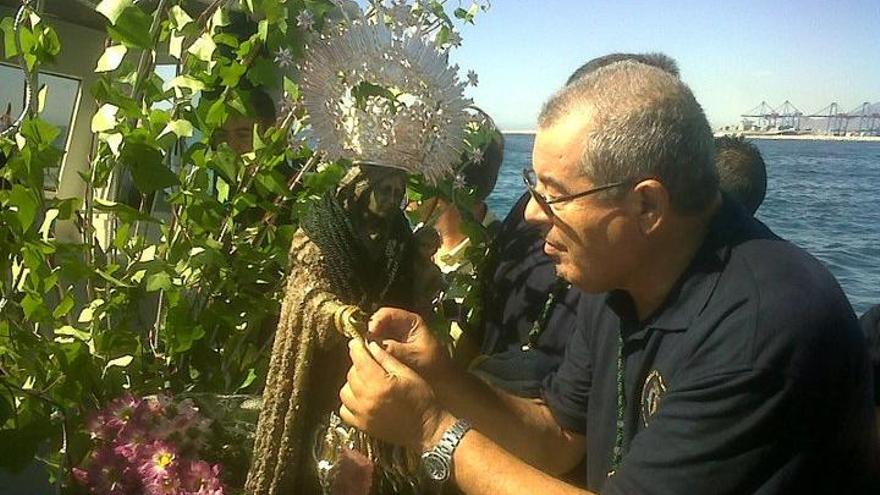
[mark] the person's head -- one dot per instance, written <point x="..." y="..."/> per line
<point x="658" y="60"/>
<point x="639" y="129"/>
<point x="481" y="172"/>
<point x="238" y="130"/>
<point x="374" y="190"/>
<point x="741" y="171"/>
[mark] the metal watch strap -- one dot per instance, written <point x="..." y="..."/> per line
<point x="445" y="448"/>
<point x="451" y="437"/>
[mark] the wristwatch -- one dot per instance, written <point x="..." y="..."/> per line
<point x="437" y="462"/>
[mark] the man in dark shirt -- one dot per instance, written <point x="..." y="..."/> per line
<point x="712" y="357"/>
<point x="530" y="313"/>
<point x="870" y="323"/>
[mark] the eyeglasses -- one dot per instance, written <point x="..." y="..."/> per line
<point x="532" y="182"/>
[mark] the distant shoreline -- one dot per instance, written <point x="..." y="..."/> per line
<point x="769" y="137"/>
<point x="802" y="137"/>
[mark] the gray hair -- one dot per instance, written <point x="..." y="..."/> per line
<point x="646" y="123"/>
<point x="655" y="59"/>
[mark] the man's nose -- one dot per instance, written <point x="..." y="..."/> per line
<point x="536" y="215"/>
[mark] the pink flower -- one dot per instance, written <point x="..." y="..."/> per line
<point x="147" y="446"/>
<point x="120" y="413"/>
<point x="131" y="444"/>
<point x="200" y="478"/>
<point x="106" y="474"/>
<point x="159" y="462"/>
<point x="165" y="484"/>
<point x="98" y="428"/>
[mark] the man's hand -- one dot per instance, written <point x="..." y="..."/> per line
<point x="406" y="337"/>
<point x="390" y="401"/>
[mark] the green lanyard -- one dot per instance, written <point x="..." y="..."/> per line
<point x="617" y="453"/>
<point x="556" y="291"/>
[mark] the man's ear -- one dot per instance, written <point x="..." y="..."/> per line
<point x="652" y="205"/>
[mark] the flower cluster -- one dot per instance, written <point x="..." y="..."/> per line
<point x="148" y="446"/>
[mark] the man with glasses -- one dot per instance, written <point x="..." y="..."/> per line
<point x="530" y="313"/>
<point x="711" y="356"/>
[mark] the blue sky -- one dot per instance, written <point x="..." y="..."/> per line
<point x="732" y="54"/>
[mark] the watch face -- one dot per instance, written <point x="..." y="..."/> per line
<point x="436" y="466"/>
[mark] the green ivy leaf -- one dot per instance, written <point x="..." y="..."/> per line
<point x="224" y="162"/>
<point x="180" y="127"/>
<point x="26" y="204"/>
<point x="71" y="332"/>
<point x="187" y="82"/>
<point x="251" y="376"/>
<point x="111" y="58"/>
<point x="203" y="48"/>
<point x="132" y="28"/>
<point x="105" y="118"/>
<point x="263" y="73"/>
<point x="110" y="278"/>
<point x="263" y="30"/>
<point x="112" y="9"/>
<point x="67" y="207"/>
<point x="273" y="181"/>
<point x="159" y="281"/>
<point x="63" y="307"/>
<point x="9" y="32"/>
<point x="179" y="18"/>
<point x="291" y="89"/>
<point x="33" y="307"/>
<point x="175" y="44"/>
<point x="40" y="132"/>
<point x="121" y="362"/>
<point x="124" y="212"/>
<point x="216" y="113"/>
<point x="48" y="222"/>
<point x="230" y="74"/>
<point x="442" y="35"/>
<point x="147" y="167"/>
<point x="183" y="332"/>
<point x="47" y="44"/>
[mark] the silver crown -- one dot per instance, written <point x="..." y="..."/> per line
<point x="385" y="96"/>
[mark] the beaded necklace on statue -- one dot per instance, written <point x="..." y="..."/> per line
<point x="559" y="288"/>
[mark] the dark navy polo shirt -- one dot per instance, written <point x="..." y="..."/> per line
<point x="751" y="378"/>
<point x="521" y="280"/>
<point x="870" y="322"/>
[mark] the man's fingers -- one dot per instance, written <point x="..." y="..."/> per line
<point x="349" y="418"/>
<point x="392" y="323"/>
<point x="348" y="398"/>
<point x="361" y="359"/>
<point x="356" y="382"/>
<point x="395" y="348"/>
<point x="388" y="362"/>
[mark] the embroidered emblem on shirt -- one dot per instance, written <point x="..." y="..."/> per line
<point x="652" y="393"/>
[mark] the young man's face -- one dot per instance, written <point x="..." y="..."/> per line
<point x="591" y="240"/>
<point x="238" y="133"/>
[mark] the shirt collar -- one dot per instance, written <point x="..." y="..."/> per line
<point x="694" y="288"/>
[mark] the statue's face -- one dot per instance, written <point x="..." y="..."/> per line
<point x="387" y="196"/>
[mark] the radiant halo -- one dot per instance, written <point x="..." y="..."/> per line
<point x="387" y="97"/>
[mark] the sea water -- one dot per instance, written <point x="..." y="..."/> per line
<point x="823" y="196"/>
